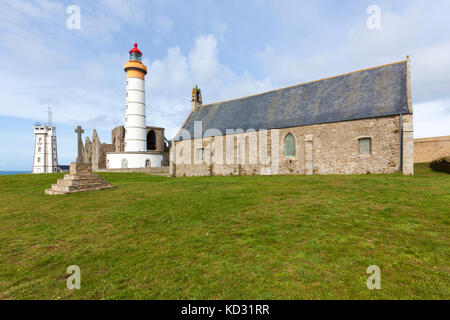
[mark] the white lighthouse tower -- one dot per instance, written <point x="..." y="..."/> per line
<point x="45" y="150"/>
<point x="136" y="154"/>
<point x="135" y="119"/>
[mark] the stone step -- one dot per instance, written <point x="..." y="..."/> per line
<point x="64" y="190"/>
<point x="78" y="182"/>
<point x="93" y="186"/>
<point x="80" y="176"/>
<point x="60" y="189"/>
<point x="62" y="182"/>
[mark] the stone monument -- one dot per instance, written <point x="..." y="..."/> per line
<point x="80" y="178"/>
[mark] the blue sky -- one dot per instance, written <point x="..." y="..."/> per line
<point x="229" y="48"/>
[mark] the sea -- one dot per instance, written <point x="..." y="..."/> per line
<point x="3" y="173"/>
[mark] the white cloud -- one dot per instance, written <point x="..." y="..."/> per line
<point x="173" y="77"/>
<point x="203" y="59"/>
<point x="432" y="119"/>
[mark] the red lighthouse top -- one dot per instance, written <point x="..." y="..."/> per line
<point x="135" y="49"/>
<point x="135" y="53"/>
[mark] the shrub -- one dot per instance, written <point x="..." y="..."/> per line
<point x="442" y="164"/>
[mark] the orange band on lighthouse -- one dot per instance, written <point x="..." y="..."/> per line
<point x="135" y="69"/>
<point x="135" y="74"/>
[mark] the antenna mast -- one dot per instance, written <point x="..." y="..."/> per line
<point x="50" y="116"/>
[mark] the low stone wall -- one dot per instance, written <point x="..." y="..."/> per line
<point x="429" y="149"/>
<point x="139" y="170"/>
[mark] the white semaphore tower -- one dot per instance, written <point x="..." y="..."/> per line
<point x="136" y="154"/>
<point x="45" y="150"/>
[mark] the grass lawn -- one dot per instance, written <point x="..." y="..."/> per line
<point x="282" y="237"/>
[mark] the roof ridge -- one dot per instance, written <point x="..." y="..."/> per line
<point x="304" y="83"/>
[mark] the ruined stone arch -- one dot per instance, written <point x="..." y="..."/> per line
<point x="151" y="140"/>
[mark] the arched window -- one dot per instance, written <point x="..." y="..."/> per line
<point x="151" y="140"/>
<point x="124" y="163"/>
<point x="289" y="146"/>
<point x="148" y="163"/>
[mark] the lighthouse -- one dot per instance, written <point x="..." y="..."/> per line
<point x="135" y="119"/>
<point x="136" y="152"/>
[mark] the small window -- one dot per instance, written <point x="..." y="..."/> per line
<point x="148" y="163"/>
<point x="39" y="149"/>
<point x="201" y="154"/>
<point x="365" y="146"/>
<point x="124" y="163"/>
<point x="289" y="146"/>
<point x="38" y="160"/>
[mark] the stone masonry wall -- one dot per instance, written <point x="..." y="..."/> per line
<point x="118" y="139"/>
<point x="429" y="149"/>
<point x="160" y="138"/>
<point x="331" y="148"/>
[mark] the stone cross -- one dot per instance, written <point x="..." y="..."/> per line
<point x="79" y="131"/>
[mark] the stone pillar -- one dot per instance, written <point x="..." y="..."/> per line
<point x="309" y="158"/>
<point x="408" y="149"/>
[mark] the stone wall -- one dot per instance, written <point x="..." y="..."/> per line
<point x="118" y="139"/>
<point x="94" y="152"/>
<point x="160" y="139"/>
<point x="429" y="149"/>
<point x="331" y="148"/>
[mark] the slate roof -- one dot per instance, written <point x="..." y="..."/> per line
<point x="370" y="93"/>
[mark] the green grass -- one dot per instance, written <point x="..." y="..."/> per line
<point x="282" y="237"/>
